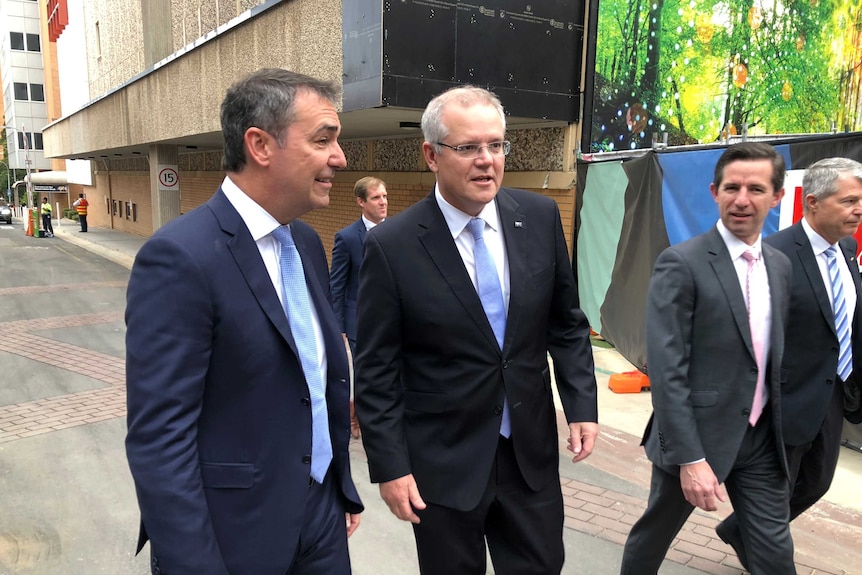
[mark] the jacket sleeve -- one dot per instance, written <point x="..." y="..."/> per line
<point x="569" y="340"/>
<point x="378" y="393"/>
<point x="669" y="322"/>
<point x="169" y="323"/>
<point x="338" y="276"/>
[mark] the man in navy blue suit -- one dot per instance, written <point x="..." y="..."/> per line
<point x="221" y="383"/>
<point x="371" y="196"/>
<point x="347" y="254"/>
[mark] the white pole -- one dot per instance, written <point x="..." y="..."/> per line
<point x="59" y="219"/>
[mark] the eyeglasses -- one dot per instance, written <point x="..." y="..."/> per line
<point x="473" y="150"/>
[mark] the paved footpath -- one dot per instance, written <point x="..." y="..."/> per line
<point x="42" y="422"/>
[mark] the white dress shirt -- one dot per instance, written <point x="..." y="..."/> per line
<point x="493" y="236"/>
<point x="819" y="247"/>
<point x="261" y="225"/>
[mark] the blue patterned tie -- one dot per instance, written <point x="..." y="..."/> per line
<point x="842" y="321"/>
<point x="297" y="307"/>
<point x="491" y="295"/>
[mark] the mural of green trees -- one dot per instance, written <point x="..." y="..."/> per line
<point x="698" y="69"/>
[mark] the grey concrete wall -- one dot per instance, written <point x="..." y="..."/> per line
<point x="183" y="96"/>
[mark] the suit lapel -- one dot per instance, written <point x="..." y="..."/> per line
<point x="848" y="247"/>
<point x="850" y="258"/>
<point x="777" y="295"/>
<point x="247" y="258"/>
<point x="812" y="271"/>
<point x="515" y="239"/>
<point x="435" y="237"/>
<point x="360" y="232"/>
<point x="725" y="273"/>
<point x="321" y="304"/>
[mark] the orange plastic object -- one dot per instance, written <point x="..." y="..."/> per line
<point x="628" y="382"/>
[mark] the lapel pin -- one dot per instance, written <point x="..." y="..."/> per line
<point x="519" y="224"/>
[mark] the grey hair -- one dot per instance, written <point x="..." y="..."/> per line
<point x="264" y="100"/>
<point x="821" y="177"/>
<point x="433" y="128"/>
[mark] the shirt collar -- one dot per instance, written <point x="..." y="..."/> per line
<point x="458" y="220"/>
<point x="258" y="221"/>
<point x="736" y="246"/>
<point x="818" y="243"/>
<point x="368" y="223"/>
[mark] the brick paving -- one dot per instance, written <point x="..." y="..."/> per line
<point x="20" y="420"/>
<point x="594" y="510"/>
<point x="609" y="515"/>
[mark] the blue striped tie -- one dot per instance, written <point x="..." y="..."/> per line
<point x="842" y="321"/>
<point x="491" y="296"/>
<point x="297" y="307"/>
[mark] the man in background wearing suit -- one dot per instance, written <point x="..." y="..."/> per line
<point x="237" y="374"/>
<point x="371" y="196"/>
<point x="716" y="312"/>
<point x="817" y="365"/>
<point x="453" y="388"/>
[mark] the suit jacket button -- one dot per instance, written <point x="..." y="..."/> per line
<point x="498" y="410"/>
<point x="306" y="402"/>
<point x="306" y="459"/>
<point x="746" y="412"/>
<point x="505" y="365"/>
<point x="754" y="370"/>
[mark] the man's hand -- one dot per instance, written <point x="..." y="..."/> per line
<point x="700" y="485"/>
<point x="402" y="497"/>
<point x="352" y="522"/>
<point x="582" y="439"/>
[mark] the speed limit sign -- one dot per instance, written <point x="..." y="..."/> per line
<point x="169" y="179"/>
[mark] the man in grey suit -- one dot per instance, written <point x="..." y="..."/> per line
<point x="716" y="312"/>
<point x="812" y="386"/>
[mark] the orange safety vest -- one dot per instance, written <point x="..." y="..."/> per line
<point x="82" y="206"/>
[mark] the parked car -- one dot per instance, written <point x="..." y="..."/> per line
<point x="6" y="214"/>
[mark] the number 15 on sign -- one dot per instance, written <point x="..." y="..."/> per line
<point x="169" y="180"/>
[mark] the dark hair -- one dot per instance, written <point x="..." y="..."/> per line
<point x="752" y="151"/>
<point x="363" y="185"/>
<point x="264" y="99"/>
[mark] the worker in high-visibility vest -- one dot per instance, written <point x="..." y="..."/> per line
<point x="81" y="206"/>
<point x="46" y="218"/>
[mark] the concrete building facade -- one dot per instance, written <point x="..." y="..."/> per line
<point x="157" y="71"/>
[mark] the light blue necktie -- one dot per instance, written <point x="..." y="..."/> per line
<point x="491" y="295"/>
<point x="297" y="307"/>
<point x="842" y="321"/>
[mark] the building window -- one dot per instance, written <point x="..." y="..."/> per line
<point x="21" y="91"/>
<point x="33" y="44"/>
<point x="34" y="141"/>
<point x="17" y="40"/>
<point x="37" y="92"/>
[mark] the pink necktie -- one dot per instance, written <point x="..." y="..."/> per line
<point x="757" y="325"/>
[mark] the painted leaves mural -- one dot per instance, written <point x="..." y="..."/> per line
<point x="700" y="69"/>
